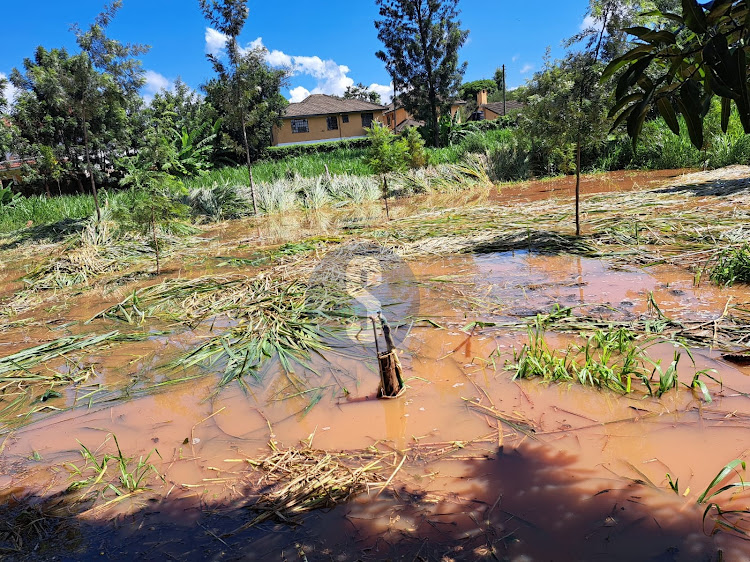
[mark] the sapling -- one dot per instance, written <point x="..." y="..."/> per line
<point x="387" y="154"/>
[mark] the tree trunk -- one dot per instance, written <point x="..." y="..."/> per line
<point x="578" y="185"/>
<point x="249" y="166"/>
<point x="428" y="67"/>
<point x="385" y="198"/>
<point x="391" y="372"/>
<point x="156" y="243"/>
<point x="59" y="189"/>
<point x="80" y="185"/>
<point x="89" y="166"/>
<point x="46" y="189"/>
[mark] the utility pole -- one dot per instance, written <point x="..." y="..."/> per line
<point x="504" y="110"/>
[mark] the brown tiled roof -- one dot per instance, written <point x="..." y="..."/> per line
<point x="394" y="105"/>
<point x="406" y="124"/>
<point x="497" y="106"/>
<point x="322" y="104"/>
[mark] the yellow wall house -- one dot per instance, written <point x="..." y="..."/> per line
<point x="489" y="111"/>
<point x="320" y="118"/>
<point x="397" y="118"/>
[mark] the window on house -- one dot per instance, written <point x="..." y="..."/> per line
<point x="367" y="120"/>
<point x="300" y="126"/>
<point x="344" y="118"/>
<point x="333" y="123"/>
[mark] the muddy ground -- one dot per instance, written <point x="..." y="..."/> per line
<point x="469" y="464"/>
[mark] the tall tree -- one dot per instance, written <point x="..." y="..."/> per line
<point x="119" y="78"/>
<point x="684" y="66"/>
<point x="246" y="90"/>
<point x="469" y="90"/>
<point x="361" y="92"/>
<point x="422" y="39"/>
<point x="247" y="96"/>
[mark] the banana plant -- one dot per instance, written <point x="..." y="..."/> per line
<point x="681" y="63"/>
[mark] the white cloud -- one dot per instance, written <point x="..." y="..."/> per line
<point x="10" y="92"/>
<point x="386" y="92"/>
<point x="155" y="82"/>
<point x="515" y="58"/>
<point x="298" y="94"/>
<point x="215" y="41"/>
<point x="527" y="68"/>
<point x="588" y="22"/>
<point x="331" y="78"/>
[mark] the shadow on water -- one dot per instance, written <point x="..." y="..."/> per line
<point x="523" y="504"/>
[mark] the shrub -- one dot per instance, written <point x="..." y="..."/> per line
<point x="416" y="153"/>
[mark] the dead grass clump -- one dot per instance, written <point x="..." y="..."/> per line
<point x="27" y="527"/>
<point x="297" y="481"/>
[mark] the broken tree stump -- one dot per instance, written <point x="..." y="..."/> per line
<point x="391" y="372"/>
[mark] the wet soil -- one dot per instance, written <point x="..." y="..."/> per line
<point x="497" y="468"/>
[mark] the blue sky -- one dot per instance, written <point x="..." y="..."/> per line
<point x="329" y="44"/>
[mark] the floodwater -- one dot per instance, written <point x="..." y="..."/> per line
<point x="584" y="478"/>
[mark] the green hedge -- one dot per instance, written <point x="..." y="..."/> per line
<point x="294" y="150"/>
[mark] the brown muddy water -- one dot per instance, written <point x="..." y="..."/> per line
<point x="569" y="473"/>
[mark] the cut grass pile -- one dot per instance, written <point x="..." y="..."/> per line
<point x="272" y="318"/>
<point x="299" y="480"/>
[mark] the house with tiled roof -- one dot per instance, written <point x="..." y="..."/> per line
<point x="321" y="117"/>
<point x="397" y="119"/>
<point x="489" y="111"/>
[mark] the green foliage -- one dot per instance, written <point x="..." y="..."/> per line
<point x="415" y="150"/>
<point x="469" y="90"/>
<point x="152" y="208"/>
<point x="92" y="475"/>
<point x="608" y="359"/>
<point x="194" y="149"/>
<point x="733" y="267"/>
<point x="684" y="66"/>
<point x="247" y="97"/>
<point x="294" y="150"/>
<point x="38" y="210"/>
<point x="388" y="153"/>
<point x="565" y="105"/>
<point x="421" y="40"/>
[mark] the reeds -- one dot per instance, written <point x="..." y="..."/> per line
<point x="92" y="477"/>
<point x="607" y="359"/>
<point x="284" y="321"/>
<point x="733" y="266"/>
<point x="734" y="521"/>
<point x="28" y="383"/>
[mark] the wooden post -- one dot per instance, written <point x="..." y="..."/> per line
<point x="391" y="372"/>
